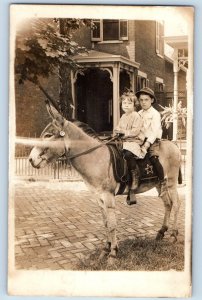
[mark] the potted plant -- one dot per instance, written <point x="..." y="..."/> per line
<point x="168" y="114"/>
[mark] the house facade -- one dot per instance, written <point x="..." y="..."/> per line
<point x="121" y="54"/>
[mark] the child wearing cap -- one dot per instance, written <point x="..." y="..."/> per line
<point x="153" y="132"/>
<point x="130" y="127"/>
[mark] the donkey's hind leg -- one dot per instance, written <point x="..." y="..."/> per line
<point x="168" y="206"/>
<point x="176" y="202"/>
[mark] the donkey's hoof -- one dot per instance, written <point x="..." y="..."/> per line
<point x="159" y="236"/>
<point x="173" y="237"/>
<point x="130" y="200"/>
<point x="161" y="232"/>
<point x="111" y="261"/>
<point x="102" y="255"/>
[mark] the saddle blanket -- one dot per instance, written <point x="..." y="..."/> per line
<point x="120" y="169"/>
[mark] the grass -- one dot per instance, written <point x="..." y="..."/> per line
<point x="140" y="255"/>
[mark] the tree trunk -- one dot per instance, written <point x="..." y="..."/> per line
<point x="65" y="92"/>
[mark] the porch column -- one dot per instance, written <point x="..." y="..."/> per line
<point x="116" y="96"/>
<point x="73" y="94"/>
<point x="175" y="96"/>
<point x="132" y="82"/>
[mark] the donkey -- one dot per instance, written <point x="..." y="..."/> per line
<point x="91" y="159"/>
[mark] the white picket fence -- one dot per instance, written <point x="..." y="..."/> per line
<point x="59" y="169"/>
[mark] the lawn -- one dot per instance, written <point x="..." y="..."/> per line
<point x="140" y="254"/>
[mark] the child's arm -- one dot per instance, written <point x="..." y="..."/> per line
<point x="118" y="129"/>
<point x="155" y="128"/>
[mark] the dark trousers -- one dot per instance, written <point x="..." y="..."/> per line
<point x="130" y="158"/>
<point x="157" y="167"/>
<point x="154" y="158"/>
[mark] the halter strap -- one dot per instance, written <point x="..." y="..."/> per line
<point x="90" y="150"/>
<point x="86" y="151"/>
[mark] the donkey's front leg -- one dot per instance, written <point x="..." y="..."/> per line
<point x="108" y="207"/>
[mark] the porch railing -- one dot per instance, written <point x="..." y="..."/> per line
<point x="56" y="170"/>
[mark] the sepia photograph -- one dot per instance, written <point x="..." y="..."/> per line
<point x="100" y="150"/>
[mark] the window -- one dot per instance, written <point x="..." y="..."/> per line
<point x="159" y="38"/>
<point x="109" y="30"/>
<point x="95" y="32"/>
<point x="141" y="82"/>
<point x="183" y="57"/>
<point x="159" y="85"/>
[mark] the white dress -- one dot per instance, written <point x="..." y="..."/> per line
<point x="132" y="125"/>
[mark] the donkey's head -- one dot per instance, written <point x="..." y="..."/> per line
<point x="51" y="145"/>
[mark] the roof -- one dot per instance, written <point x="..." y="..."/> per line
<point x="93" y="56"/>
<point x="179" y="42"/>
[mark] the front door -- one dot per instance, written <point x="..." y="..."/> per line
<point x="94" y="92"/>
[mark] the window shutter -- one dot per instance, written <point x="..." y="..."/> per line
<point x="138" y="83"/>
<point x="157" y="38"/>
<point x="96" y="31"/>
<point x="143" y="82"/>
<point x="123" y="30"/>
<point x="161" y="40"/>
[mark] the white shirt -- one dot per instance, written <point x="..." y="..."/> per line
<point x="152" y="124"/>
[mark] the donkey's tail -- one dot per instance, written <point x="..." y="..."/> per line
<point x="180" y="176"/>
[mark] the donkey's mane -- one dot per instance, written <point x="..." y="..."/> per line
<point x="87" y="129"/>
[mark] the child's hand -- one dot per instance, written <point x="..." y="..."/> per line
<point x="119" y="132"/>
<point x="143" y="152"/>
<point x="146" y="145"/>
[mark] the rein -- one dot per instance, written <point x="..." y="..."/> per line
<point x="62" y="134"/>
<point x="91" y="149"/>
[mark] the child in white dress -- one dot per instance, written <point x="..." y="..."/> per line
<point x="130" y="127"/>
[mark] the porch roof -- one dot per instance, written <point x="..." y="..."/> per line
<point x="93" y="56"/>
<point x="179" y="42"/>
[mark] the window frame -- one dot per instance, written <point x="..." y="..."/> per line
<point x="143" y="82"/>
<point x="101" y="37"/>
<point x="97" y="39"/>
<point x="159" y="85"/>
<point x="123" y="38"/>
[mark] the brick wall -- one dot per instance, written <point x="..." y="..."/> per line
<point x="145" y="51"/>
<point x="83" y="37"/>
<point x="31" y="113"/>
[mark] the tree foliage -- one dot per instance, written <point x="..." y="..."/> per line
<point x="46" y="45"/>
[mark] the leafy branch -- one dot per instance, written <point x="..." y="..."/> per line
<point x="46" y="47"/>
<point x="168" y="115"/>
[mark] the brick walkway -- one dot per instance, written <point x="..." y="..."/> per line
<point x="55" y="226"/>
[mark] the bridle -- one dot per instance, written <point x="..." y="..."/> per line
<point x="69" y="157"/>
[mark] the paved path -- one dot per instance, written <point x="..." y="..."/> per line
<point x="55" y="226"/>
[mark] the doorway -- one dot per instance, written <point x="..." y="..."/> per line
<point x="94" y="95"/>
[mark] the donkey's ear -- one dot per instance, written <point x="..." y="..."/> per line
<point x="55" y="115"/>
